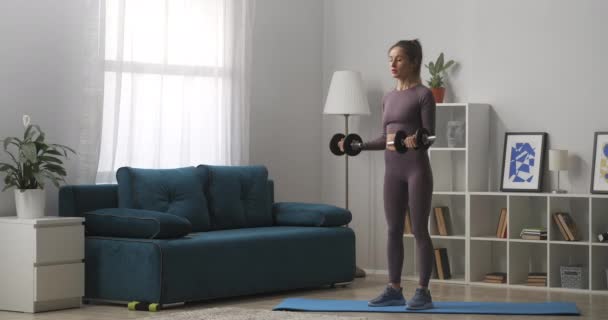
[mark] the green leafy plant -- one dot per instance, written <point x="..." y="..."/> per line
<point x="33" y="160"/>
<point x="436" y="69"/>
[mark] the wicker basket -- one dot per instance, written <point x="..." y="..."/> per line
<point x="572" y="276"/>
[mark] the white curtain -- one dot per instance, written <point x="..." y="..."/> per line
<point x="176" y="87"/>
<point x="91" y="106"/>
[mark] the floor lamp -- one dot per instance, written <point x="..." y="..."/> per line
<point x="346" y="96"/>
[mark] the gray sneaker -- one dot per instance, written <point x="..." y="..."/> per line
<point x="421" y="300"/>
<point x="390" y="297"/>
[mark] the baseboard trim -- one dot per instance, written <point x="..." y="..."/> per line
<point x="377" y="272"/>
<point x="40" y="306"/>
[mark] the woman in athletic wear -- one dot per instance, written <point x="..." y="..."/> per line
<point x="408" y="179"/>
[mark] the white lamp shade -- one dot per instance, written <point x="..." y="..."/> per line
<point x="346" y="94"/>
<point x="558" y="160"/>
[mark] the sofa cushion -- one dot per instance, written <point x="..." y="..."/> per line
<point x="238" y="196"/>
<point x="310" y="214"/>
<point x="175" y="191"/>
<point x="134" y="223"/>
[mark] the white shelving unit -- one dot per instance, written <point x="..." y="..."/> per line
<point x="455" y="172"/>
<point x="590" y="213"/>
<point x="461" y="183"/>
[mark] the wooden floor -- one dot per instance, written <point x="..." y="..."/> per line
<point x="592" y="306"/>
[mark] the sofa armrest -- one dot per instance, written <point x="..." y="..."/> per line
<point x="135" y="223"/>
<point x="309" y="214"/>
<point x="75" y="200"/>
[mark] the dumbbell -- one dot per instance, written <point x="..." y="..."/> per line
<point x="143" y="306"/>
<point x="423" y="140"/>
<point x="352" y="144"/>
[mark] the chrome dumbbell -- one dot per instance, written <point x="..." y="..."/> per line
<point x="422" y="136"/>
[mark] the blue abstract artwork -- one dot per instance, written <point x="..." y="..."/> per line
<point x="522" y="163"/>
<point x="604" y="162"/>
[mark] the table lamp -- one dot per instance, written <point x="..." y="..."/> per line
<point x="558" y="161"/>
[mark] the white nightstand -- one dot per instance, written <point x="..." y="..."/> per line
<point x="41" y="263"/>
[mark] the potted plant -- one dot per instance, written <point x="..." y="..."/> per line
<point x="436" y="82"/>
<point x="32" y="163"/>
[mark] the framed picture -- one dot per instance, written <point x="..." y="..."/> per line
<point x="523" y="161"/>
<point x="599" y="173"/>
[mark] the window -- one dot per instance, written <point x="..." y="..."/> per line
<point x="167" y="84"/>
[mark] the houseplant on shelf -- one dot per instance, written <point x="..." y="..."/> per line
<point x="32" y="163"/>
<point x="436" y="82"/>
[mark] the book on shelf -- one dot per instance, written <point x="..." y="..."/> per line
<point x="560" y="226"/>
<point x="441" y="220"/>
<point x="408" y="222"/>
<point x="537" y="279"/>
<point x="501" y="229"/>
<point x="533" y="234"/>
<point x="566" y="225"/>
<point x="495" y="277"/>
<point x="533" y="237"/>
<point x="442" y="264"/>
<point x="494" y="281"/>
<point x="570" y="225"/>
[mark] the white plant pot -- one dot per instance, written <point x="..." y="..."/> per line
<point x="30" y="203"/>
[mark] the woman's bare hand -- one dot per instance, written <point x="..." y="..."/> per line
<point x="410" y="142"/>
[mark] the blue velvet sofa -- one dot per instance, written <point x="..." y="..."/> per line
<point x="188" y="234"/>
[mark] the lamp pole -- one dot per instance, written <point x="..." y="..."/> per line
<point x="359" y="273"/>
<point x="346" y="159"/>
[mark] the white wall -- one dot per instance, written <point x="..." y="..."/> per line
<point x="540" y="64"/>
<point x="42" y="69"/>
<point x="286" y="96"/>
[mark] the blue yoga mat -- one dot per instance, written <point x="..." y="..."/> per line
<point x="515" y="308"/>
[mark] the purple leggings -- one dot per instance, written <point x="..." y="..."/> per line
<point x="408" y="181"/>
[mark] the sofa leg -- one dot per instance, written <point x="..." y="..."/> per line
<point x="173" y="305"/>
<point x="340" y="284"/>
